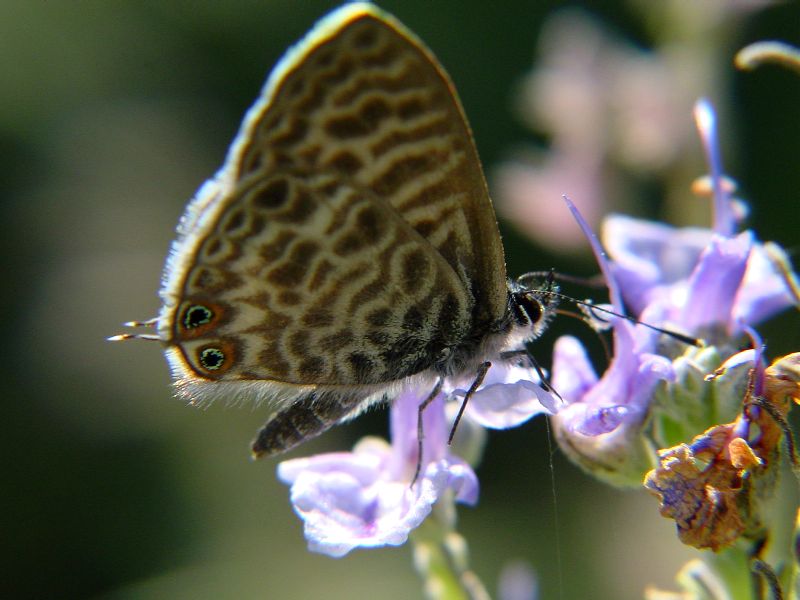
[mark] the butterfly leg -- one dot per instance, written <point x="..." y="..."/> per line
<point x="544" y="383"/>
<point x="762" y="573"/>
<point x="420" y="433"/>
<point x="304" y="419"/>
<point x="785" y="427"/>
<point x="482" y="370"/>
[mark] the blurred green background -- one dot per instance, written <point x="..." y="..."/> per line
<point x="111" y="116"/>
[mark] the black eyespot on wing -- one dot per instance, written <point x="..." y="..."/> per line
<point x="200" y="318"/>
<point x="197" y="315"/>
<point x="215" y="359"/>
<point x="211" y="359"/>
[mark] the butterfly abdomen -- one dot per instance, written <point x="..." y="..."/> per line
<point x="306" y="418"/>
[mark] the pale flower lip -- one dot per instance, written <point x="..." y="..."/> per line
<point x="364" y="498"/>
<point x="510" y="395"/>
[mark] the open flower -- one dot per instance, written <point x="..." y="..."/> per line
<point x="364" y="498"/>
<point x="697" y="279"/>
<point x="709" y="283"/>
<point x="600" y="426"/>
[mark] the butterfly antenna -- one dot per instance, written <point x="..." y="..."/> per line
<point x="594" y="309"/>
<point x="596" y="281"/>
<point x="582" y="319"/>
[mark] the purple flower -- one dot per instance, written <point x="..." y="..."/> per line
<point x="364" y="498"/>
<point x="596" y="406"/>
<point x="700" y="282"/>
<point x="696" y="278"/>
<point x="599" y="428"/>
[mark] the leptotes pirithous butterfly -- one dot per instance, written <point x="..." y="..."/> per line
<point x="348" y="246"/>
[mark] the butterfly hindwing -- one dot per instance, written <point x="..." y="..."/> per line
<point x="303" y="279"/>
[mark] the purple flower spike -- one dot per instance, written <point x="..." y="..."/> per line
<point x="364" y="498"/>
<point x="600" y="426"/>
<point x="706" y="120"/>
<point x="696" y="278"/>
<point x="597" y="406"/>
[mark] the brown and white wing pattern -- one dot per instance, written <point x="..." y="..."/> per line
<point x="305" y="279"/>
<point x="361" y="96"/>
<point x="347" y="243"/>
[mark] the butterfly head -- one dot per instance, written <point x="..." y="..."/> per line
<point x="533" y="301"/>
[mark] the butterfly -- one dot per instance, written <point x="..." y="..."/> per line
<point x="347" y="248"/>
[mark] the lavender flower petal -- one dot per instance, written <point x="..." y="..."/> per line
<point x="650" y="257"/>
<point x="509" y="396"/>
<point x="621" y="396"/>
<point x="364" y="498"/>
<point x="715" y="282"/>
<point x="764" y="292"/>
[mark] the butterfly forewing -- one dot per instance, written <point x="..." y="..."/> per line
<point x="349" y="240"/>
<point x="362" y="97"/>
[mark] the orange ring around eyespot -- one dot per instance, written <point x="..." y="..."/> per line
<point x="227" y="354"/>
<point x="218" y="314"/>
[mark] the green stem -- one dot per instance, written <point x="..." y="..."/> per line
<point x="441" y="557"/>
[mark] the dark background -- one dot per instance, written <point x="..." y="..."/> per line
<point x="111" y="115"/>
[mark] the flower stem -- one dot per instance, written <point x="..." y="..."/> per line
<point x="441" y="557"/>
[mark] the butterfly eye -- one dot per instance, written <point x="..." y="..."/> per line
<point x="211" y="359"/>
<point x="528" y="309"/>
<point x="196" y="316"/>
